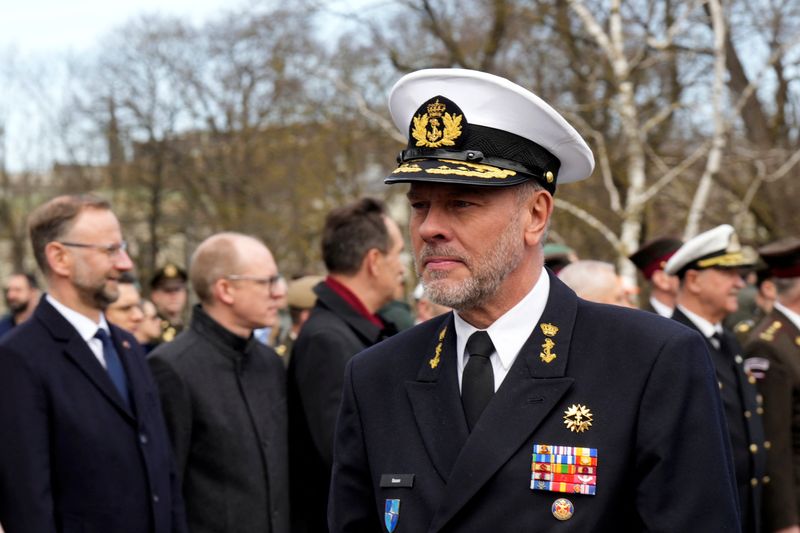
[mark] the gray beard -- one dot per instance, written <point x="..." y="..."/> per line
<point x="488" y="272"/>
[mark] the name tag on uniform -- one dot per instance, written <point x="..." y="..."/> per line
<point x="404" y="481"/>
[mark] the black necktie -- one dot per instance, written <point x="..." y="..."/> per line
<point x="716" y="340"/>
<point x="477" y="383"/>
<point x="113" y="365"/>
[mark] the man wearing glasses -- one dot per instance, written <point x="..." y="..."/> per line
<point x="84" y="445"/>
<point x="223" y="392"/>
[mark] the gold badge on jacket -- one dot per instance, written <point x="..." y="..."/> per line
<point x="434" y="362"/>
<point x="547" y="354"/>
<point x="578" y="418"/>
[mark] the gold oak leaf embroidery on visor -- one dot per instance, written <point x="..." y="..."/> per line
<point x="460" y="168"/>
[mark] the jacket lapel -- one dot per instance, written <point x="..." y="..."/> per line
<point x="436" y="401"/>
<point x="534" y="385"/>
<point x="76" y="349"/>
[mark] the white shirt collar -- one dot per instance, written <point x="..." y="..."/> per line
<point x="511" y="330"/>
<point x="661" y="308"/>
<point x="706" y="328"/>
<point x="791" y="315"/>
<point x="85" y="326"/>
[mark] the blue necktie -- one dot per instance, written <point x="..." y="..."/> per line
<point x="114" y="365"/>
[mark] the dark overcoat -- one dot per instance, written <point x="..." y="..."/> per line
<point x="73" y="457"/>
<point x="662" y="455"/>
<point x="333" y="334"/>
<point x="777" y="340"/>
<point x="743" y="415"/>
<point x="224" y="400"/>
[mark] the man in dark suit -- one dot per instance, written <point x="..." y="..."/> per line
<point x="709" y="267"/>
<point x="224" y="392"/>
<point x="361" y="247"/>
<point x="527" y="409"/>
<point x="774" y="349"/>
<point x="84" y="446"/>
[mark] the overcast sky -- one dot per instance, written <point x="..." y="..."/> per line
<point x="40" y="27"/>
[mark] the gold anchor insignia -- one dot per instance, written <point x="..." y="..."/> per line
<point x="427" y="127"/>
<point x="578" y="418"/>
<point x="435" y="361"/>
<point x="547" y="354"/>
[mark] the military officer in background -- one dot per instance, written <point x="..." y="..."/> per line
<point x="300" y="299"/>
<point x="710" y="267"/>
<point x="650" y="260"/>
<point x="169" y="294"/>
<point x="775" y="342"/>
<point x="526" y="409"/>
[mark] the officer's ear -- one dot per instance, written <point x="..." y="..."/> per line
<point x="538" y="210"/>
<point x="691" y="281"/>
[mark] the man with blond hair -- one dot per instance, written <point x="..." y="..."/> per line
<point x="224" y="393"/>
<point x="84" y="446"/>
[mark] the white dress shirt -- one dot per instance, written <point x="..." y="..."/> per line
<point x="661" y="308"/>
<point x="86" y="327"/>
<point x="706" y="328"/>
<point x="791" y="315"/>
<point x="508" y="333"/>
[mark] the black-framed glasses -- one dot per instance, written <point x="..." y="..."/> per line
<point x="111" y="250"/>
<point x="271" y="282"/>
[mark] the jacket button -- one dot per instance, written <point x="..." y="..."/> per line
<point x="754" y="482"/>
<point x="754" y="448"/>
<point x="142" y="438"/>
<point x="155" y="498"/>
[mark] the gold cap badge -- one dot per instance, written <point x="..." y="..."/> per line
<point x="433" y="126"/>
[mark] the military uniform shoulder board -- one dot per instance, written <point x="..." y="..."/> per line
<point x="769" y="333"/>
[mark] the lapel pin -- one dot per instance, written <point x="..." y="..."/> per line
<point x="126" y="345"/>
<point x="434" y="362"/>
<point x="578" y="418"/>
<point x="562" y="509"/>
<point x="391" y="514"/>
<point x="547" y="355"/>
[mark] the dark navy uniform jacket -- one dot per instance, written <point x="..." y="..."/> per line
<point x="658" y="428"/>
<point x="745" y="427"/>
<point x="73" y="457"/>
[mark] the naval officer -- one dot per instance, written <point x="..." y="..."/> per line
<point x="526" y="408"/>
<point x="710" y="267"/>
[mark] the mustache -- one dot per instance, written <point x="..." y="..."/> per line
<point x="428" y="251"/>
